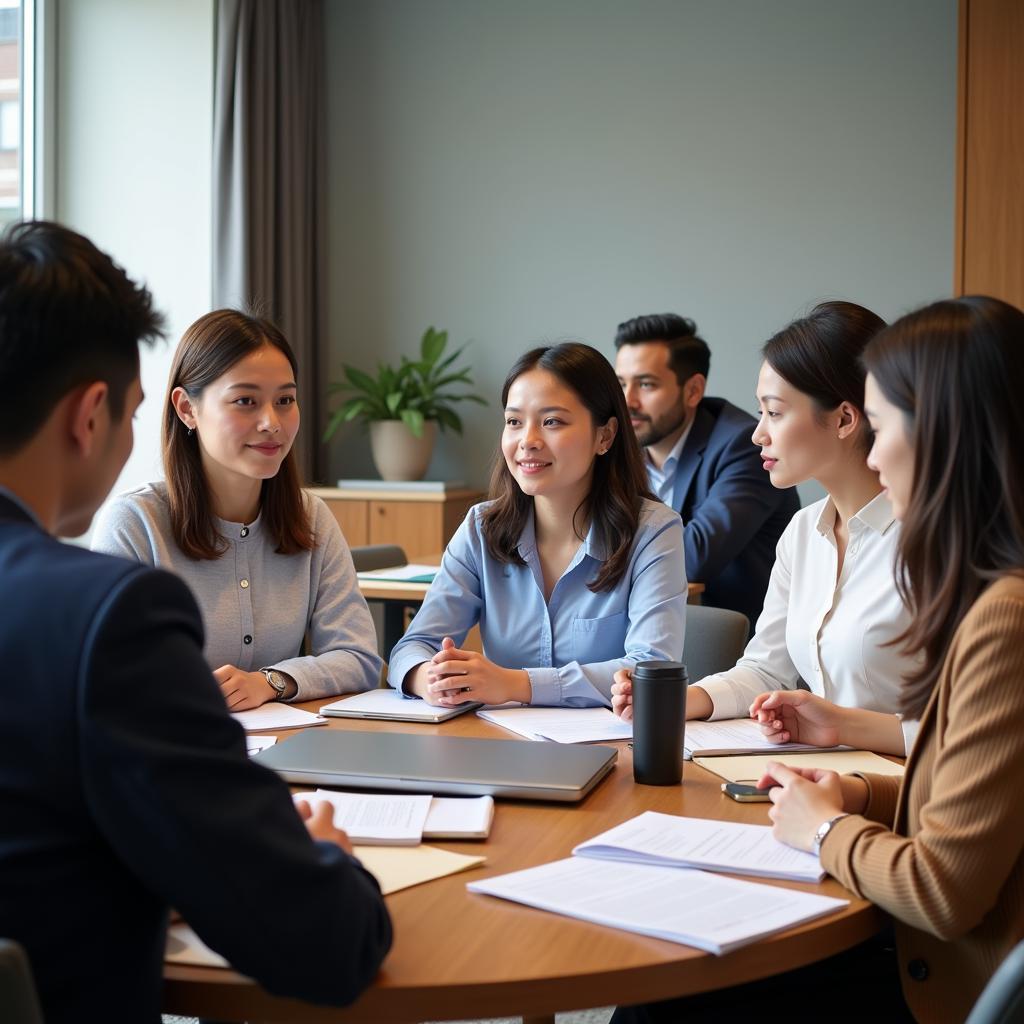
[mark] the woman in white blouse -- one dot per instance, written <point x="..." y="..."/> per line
<point x="832" y="608"/>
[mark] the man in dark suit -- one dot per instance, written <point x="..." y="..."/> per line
<point x="125" y="788"/>
<point x="701" y="461"/>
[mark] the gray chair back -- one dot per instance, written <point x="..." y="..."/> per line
<point x="715" y="638"/>
<point x="378" y="556"/>
<point x="1002" y="1001"/>
<point x="19" y="1003"/>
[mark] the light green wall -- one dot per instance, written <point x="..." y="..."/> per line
<point x="543" y="169"/>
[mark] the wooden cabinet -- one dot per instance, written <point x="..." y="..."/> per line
<point x="421" y="522"/>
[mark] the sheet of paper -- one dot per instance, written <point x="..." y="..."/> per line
<point x="694" y="908"/>
<point x="731" y="736"/>
<point x="411" y="573"/>
<point x="276" y="716"/>
<point x="672" y="840"/>
<point x="185" y="947"/>
<point x="453" y="817"/>
<point x="254" y="744"/>
<point x="399" y="867"/>
<point x="375" y="819"/>
<point x="560" y="725"/>
<point x="750" y="767"/>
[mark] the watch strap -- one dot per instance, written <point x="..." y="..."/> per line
<point x="823" y="830"/>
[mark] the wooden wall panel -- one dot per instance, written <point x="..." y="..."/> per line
<point x="990" y="150"/>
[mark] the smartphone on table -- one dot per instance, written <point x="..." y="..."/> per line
<point x="745" y="794"/>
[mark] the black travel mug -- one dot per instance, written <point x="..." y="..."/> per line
<point x="659" y="718"/>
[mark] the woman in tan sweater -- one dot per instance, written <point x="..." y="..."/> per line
<point x="943" y="852"/>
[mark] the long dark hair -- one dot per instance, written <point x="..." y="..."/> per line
<point x="208" y="349"/>
<point x="820" y="355"/>
<point x="956" y="371"/>
<point x="619" y="483"/>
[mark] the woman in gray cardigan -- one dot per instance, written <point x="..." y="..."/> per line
<point x="265" y="560"/>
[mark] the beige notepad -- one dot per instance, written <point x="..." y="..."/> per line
<point x="750" y="767"/>
<point x="399" y="867"/>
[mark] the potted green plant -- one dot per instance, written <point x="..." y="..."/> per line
<point x="404" y="406"/>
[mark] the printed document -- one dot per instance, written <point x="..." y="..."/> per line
<point x="375" y="819"/>
<point x="694" y="908"/>
<point x="731" y="736"/>
<point x="560" y="725"/>
<point x="671" y="840"/>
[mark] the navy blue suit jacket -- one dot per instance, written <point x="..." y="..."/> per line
<point x="732" y="514"/>
<point x="125" y="789"/>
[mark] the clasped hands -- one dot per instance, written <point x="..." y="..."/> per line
<point x="454" y="676"/>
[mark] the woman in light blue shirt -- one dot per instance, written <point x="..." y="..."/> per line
<point x="572" y="571"/>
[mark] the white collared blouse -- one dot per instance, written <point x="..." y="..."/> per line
<point x="833" y="634"/>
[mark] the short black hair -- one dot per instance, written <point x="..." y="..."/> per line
<point x="69" y="316"/>
<point x="688" y="353"/>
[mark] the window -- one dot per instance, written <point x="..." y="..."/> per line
<point x="21" y="61"/>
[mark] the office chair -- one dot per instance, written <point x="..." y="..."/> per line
<point x="19" y="1003"/>
<point x="378" y="556"/>
<point x="715" y="638"/>
<point x="1002" y="1001"/>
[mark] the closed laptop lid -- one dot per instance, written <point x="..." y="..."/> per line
<point x="439" y="765"/>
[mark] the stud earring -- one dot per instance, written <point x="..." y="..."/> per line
<point x="190" y="431"/>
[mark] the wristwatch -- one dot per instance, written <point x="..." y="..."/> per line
<point x="278" y="682"/>
<point x="824" y="829"/>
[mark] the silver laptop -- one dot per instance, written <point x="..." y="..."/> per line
<point x="389" y="703"/>
<point x="407" y="762"/>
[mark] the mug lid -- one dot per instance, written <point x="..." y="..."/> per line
<point x="660" y="670"/>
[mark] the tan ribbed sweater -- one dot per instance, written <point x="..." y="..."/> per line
<point x="948" y="859"/>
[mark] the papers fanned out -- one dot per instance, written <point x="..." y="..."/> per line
<point x="694" y="908"/>
<point x="560" y="725"/>
<point x="276" y="716"/>
<point x="375" y="819"/>
<point x="383" y="819"/>
<point x="672" y="841"/>
<point x="397" y="867"/>
<point x="750" y="767"/>
<point x="732" y="736"/>
<point x="411" y="573"/>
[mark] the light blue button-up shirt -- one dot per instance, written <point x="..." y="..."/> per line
<point x="665" y="482"/>
<point x="572" y="645"/>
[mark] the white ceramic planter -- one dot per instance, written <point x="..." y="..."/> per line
<point x="397" y="453"/>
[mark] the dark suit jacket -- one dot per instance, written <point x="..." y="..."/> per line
<point x="125" y="789"/>
<point x="733" y="517"/>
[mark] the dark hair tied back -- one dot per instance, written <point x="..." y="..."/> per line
<point x="820" y="355"/>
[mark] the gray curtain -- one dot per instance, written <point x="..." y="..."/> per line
<point x="268" y="184"/>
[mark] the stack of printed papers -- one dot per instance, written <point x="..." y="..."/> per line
<point x="383" y="819"/>
<point x="695" y="908"/>
<point x="673" y="841"/>
<point x="733" y="736"/>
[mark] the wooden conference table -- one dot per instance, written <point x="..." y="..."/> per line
<point x="460" y="955"/>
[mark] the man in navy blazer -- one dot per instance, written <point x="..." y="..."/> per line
<point x="125" y="788"/>
<point x="701" y="461"/>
